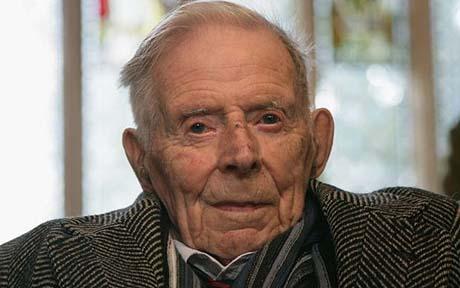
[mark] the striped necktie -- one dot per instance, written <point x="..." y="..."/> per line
<point x="217" y="284"/>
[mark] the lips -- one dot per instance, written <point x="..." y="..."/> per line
<point x="239" y="206"/>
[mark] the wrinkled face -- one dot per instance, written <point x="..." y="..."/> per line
<point x="231" y="161"/>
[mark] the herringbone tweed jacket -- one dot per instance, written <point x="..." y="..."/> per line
<point x="397" y="237"/>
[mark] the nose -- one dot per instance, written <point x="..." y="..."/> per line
<point x="239" y="151"/>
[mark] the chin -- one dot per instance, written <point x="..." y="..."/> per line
<point x="237" y="242"/>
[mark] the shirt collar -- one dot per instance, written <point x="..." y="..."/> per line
<point x="210" y="266"/>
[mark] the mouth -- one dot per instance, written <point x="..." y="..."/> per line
<point x="239" y="206"/>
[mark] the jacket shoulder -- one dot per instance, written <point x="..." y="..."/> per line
<point x="394" y="202"/>
<point x="407" y="231"/>
<point x="93" y="225"/>
<point x="29" y="258"/>
<point x="25" y="256"/>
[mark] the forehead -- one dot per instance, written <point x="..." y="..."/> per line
<point x="225" y="57"/>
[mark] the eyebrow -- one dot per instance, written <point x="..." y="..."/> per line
<point x="269" y="105"/>
<point x="197" y="112"/>
<point x="289" y="110"/>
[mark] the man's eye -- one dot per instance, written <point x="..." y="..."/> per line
<point x="198" y="128"/>
<point x="270" y="119"/>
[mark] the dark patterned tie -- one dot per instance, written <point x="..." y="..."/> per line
<point x="218" y="284"/>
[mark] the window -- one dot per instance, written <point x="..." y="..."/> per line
<point x="112" y="31"/>
<point x="446" y="39"/>
<point x="362" y="59"/>
<point x="30" y="116"/>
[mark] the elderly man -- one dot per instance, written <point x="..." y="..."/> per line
<point x="226" y="152"/>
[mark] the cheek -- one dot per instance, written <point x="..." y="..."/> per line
<point x="190" y="169"/>
<point x="285" y="158"/>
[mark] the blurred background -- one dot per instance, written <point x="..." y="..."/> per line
<point x="388" y="70"/>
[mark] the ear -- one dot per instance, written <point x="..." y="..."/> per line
<point x="323" y="137"/>
<point x="135" y="153"/>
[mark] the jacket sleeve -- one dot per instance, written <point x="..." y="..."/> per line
<point x="25" y="262"/>
<point x="456" y="243"/>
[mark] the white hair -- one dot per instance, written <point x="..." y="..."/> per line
<point x="139" y="73"/>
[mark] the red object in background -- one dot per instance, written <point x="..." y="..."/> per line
<point x="103" y="18"/>
<point x="103" y="9"/>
